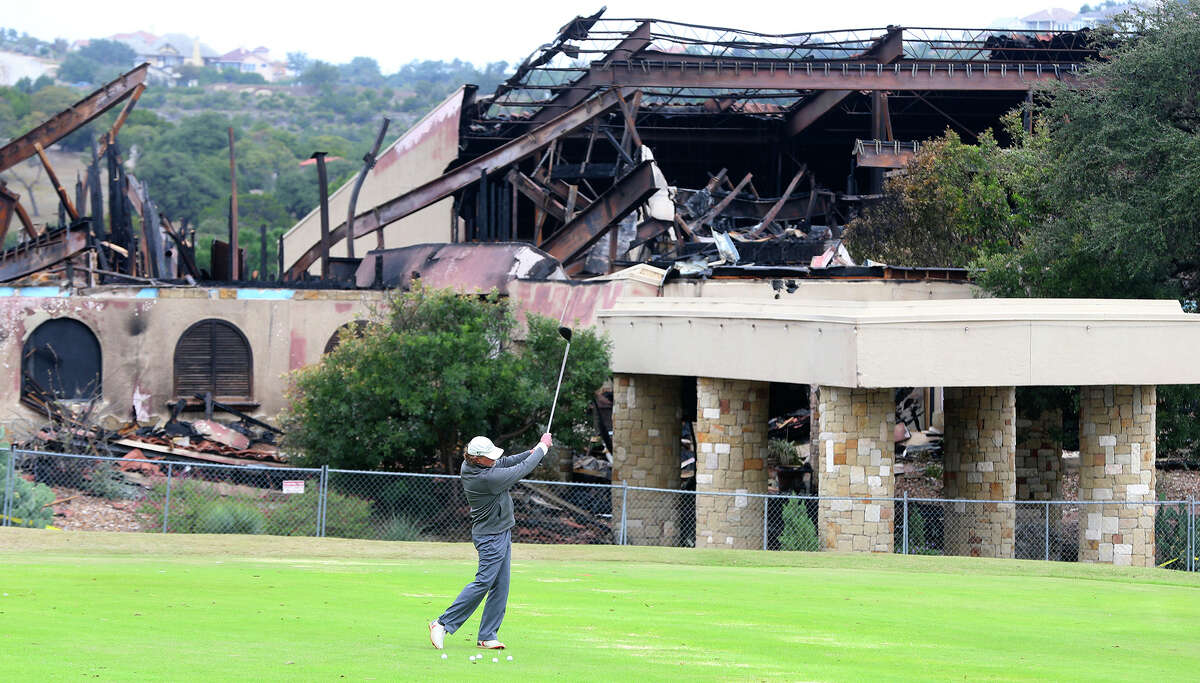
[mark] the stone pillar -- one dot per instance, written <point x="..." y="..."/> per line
<point x="731" y="431"/>
<point x="646" y="433"/>
<point x="979" y="455"/>
<point x="1116" y="464"/>
<point x="856" y="460"/>
<point x="1039" y="456"/>
<point x="1039" y="477"/>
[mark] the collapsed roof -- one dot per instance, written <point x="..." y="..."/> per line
<point x="630" y="140"/>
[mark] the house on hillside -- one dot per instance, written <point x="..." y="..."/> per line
<point x="167" y="51"/>
<point x="256" y="61"/>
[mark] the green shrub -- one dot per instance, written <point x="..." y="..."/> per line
<point x="229" y="517"/>
<point x="1170" y="537"/>
<point x="105" y="481"/>
<point x="402" y="528"/>
<point x="29" y="499"/>
<point x="783" y="451"/>
<point x="345" y="516"/>
<point x="799" y="533"/>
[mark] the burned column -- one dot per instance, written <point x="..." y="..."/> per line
<point x="980" y="465"/>
<point x="856" y="461"/>
<point x="731" y="435"/>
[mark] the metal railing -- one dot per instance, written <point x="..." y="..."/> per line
<point x="73" y="491"/>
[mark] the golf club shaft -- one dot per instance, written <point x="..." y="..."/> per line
<point x="559" y="386"/>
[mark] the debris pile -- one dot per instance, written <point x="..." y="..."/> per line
<point x="245" y="441"/>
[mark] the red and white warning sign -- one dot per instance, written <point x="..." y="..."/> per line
<point x="293" y="486"/>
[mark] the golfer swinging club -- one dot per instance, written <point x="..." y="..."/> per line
<point x="486" y="479"/>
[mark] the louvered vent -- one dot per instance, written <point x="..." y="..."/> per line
<point x="213" y="355"/>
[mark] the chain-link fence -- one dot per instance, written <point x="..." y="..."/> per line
<point x="50" y="489"/>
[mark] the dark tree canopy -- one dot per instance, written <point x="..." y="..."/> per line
<point x="436" y="370"/>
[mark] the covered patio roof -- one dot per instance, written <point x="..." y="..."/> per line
<point x="964" y="342"/>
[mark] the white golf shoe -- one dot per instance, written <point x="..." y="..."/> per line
<point x="491" y="645"/>
<point x="437" y="634"/>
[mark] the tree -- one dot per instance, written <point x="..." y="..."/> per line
<point x="1121" y="172"/>
<point x="361" y="71"/>
<point x="297" y="62"/>
<point x="320" y="75"/>
<point x="435" y="369"/>
<point x="78" y="69"/>
<point x="954" y="203"/>
<point x="109" y="52"/>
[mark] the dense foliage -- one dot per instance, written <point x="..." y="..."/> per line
<point x="433" y="371"/>
<point x="1100" y="201"/>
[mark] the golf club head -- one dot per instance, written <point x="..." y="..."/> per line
<point x="565" y="333"/>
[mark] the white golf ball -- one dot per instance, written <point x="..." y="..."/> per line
<point x="494" y="660"/>
<point x="443" y="656"/>
<point x="510" y="658"/>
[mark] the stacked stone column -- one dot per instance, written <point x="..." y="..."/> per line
<point x="979" y="450"/>
<point x="1039" y="477"/>
<point x="731" y="431"/>
<point x="1039" y="456"/>
<point x="1116" y="465"/>
<point x="856" y="460"/>
<point x="646" y="433"/>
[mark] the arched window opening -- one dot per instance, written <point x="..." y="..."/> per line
<point x="213" y="356"/>
<point x="61" y="361"/>
<point x="355" y="328"/>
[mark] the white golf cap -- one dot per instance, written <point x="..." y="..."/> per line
<point x="482" y="447"/>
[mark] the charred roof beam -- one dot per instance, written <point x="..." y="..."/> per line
<point x="573" y="94"/>
<point x="67" y="121"/>
<point x="443" y="186"/>
<point x="887" y="49"/>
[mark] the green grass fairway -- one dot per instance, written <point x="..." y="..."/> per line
<point x="78" y="605"/>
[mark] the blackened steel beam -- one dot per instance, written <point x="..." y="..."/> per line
<point x="235" y="265"/>
<point x="31" y="257"/>
<point x="67" y="121"/>
<point x="8" y="203"/>
<point x="323" y="189"/>
<point x="368" y="164"/>
<point x="63" y="198"/>
<point x="677" y="71"/>
<point x="541" y="197"/>
<point x="571" y="95"/>
<point x="887" y="49"/>
<point x="626" y="195"/>
<point x="439" y="188"/>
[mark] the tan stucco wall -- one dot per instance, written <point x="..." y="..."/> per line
<point x="838" y="290"/>
<point x="138" y="334"/>
<point x="418" y="156"/>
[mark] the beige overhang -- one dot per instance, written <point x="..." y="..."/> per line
<point x="962" y="342"/>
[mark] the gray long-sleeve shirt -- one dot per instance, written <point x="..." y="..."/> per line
<point x="487" y="489"/>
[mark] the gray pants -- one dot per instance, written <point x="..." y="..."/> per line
<point x="491" y="579"/>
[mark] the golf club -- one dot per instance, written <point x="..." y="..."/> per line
<point x="565" y="333"/>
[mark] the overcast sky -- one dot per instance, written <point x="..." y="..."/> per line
<point x="394" y="33"/>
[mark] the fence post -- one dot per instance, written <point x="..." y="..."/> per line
<point x="1046" y="532"/>
<point x="1191" y="532"/>
<point x="10" y="472"/>
<point x="765" y="500"/>
<point x="167" y="504"/>
<point x="904" y="547"/>
<point x="624" y="508"/>
<point x="322" y="500"/>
